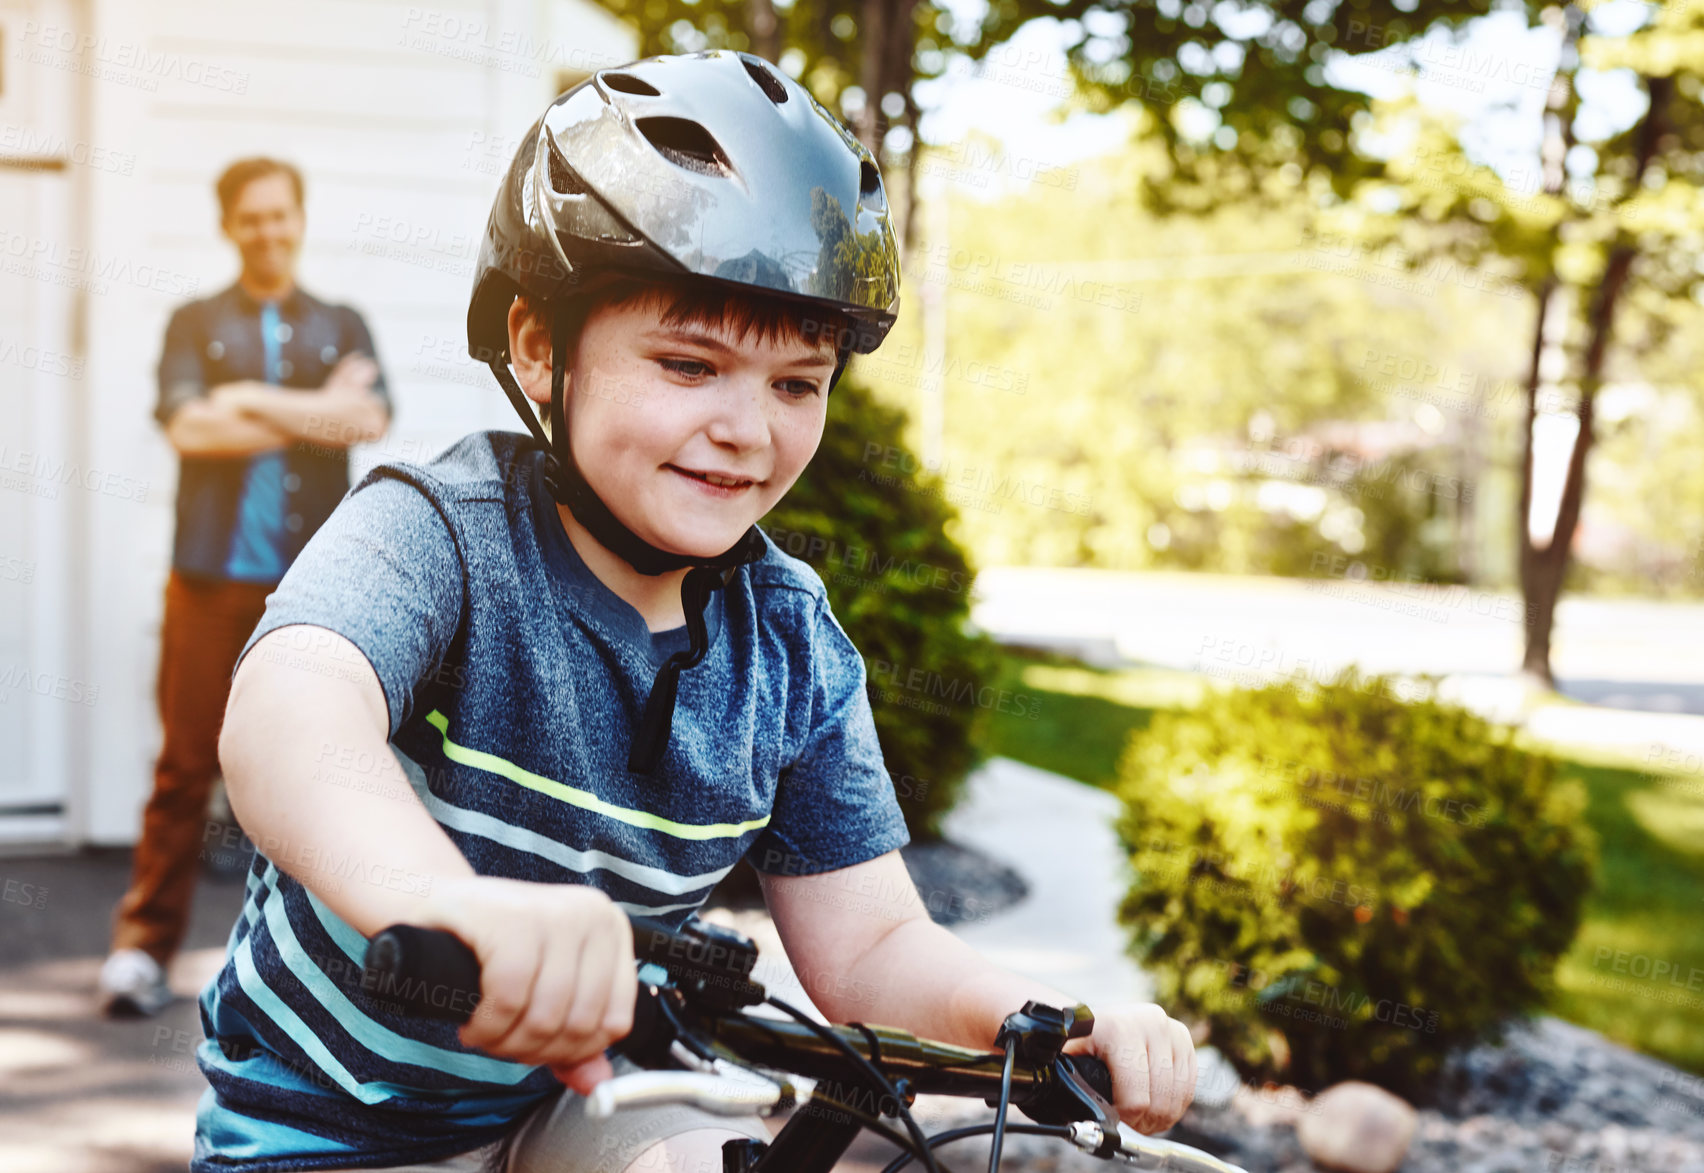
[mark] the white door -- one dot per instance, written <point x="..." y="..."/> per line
<point x="45" y="701"/>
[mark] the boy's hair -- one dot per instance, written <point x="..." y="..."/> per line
<point x="698" y="302"/>
<point x="244" y="172"/>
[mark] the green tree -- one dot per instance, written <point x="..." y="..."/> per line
<point x="1249" y="110"/>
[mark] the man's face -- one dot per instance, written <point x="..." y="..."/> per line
<point x="652" y="408"/>
<point x="265" y="223"/>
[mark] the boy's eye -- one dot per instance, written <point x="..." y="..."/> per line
<point x="799" y="387"/>
<point x="689" y="367"/>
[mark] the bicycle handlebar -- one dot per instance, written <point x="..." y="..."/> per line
<point x="432" y="973"/>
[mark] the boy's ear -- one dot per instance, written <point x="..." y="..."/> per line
<point x="529" y="350"/>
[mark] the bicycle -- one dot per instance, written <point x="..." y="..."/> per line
<point x="699" y="1047"/>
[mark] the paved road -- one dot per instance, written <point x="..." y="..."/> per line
<point x="1625" y="653"/>
<point x="1640" y="665"/>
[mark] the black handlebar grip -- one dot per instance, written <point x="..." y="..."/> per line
<point x="426" y="973"/>
<point x="647" y="1044"/>
<point x="1094" y="1073"/>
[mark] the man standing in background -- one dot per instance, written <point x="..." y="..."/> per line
<point x="262" y="389"/>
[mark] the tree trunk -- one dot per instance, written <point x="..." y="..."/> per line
<point x="897" y="58"/>
<point x="1549" y="566"/>
<point x="764" y="29"/>
<point x="889" y="40"/>
<point x="1537" y="642"/>
<point x="913" y="170"/>
<point x="1538" y="588"/>
<point x="872" y="72"/>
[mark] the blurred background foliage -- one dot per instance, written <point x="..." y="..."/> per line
<point x="901" y="589"/>
<point x="1243" y="406"/>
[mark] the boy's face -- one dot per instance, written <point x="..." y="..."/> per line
<point x="653" y="407"/>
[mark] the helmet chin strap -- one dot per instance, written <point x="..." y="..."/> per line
<point x="703" y="575"/>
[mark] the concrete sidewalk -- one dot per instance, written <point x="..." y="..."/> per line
<point x="78" y="1093"/>
<point x="1056" y="833"/>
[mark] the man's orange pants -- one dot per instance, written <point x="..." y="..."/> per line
<point x="207" y="622"/>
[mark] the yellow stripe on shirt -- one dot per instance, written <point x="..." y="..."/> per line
<point x="584" y="799"/>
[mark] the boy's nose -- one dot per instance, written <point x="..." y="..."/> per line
<point x="741" y="420"/>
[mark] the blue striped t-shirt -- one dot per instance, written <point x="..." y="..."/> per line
<point x="514" y="679"/>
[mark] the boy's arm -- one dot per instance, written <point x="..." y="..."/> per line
<point x="866" y="951"/>
<point x="312" y="780"/>
<point x="860" y="936"/>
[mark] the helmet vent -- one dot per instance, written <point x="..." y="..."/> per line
<point x="766" y="81"/>
<point x="628" y="84"/>
<point x="562" y="180"/>
<point x="869" y="179"/>
<point x="686" y="144"/>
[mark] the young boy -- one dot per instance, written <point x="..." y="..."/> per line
<point x="540" y="683"/>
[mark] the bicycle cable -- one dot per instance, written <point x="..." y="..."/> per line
<point x="1005" y="1104"/>
<point x="892" y="1135"/>
<point x="1057" y="1131"/>
<point x="870" y="1071"/>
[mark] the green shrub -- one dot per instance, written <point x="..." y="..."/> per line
<point x="1344" y="885"/>
<point x="874" y="526"/>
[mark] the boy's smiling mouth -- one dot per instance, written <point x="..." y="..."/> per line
<point x="714" y="483"/>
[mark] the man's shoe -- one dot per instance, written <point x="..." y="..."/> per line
<point x="133" y="985"/>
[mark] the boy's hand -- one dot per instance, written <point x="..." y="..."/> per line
<point x="1152" y="1060"/>
<point x="557" y="975"/>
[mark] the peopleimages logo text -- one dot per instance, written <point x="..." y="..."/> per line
<point x="51" y="472"/>
<point x="36" y="256"/>
<point x="92" y="51"/>
<point x="891" y="680"/>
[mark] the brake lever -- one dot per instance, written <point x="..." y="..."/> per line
<point x="1079" y="1085"/>
<point x="1106" y="1136"/>
<point x="1132" y="1148"/>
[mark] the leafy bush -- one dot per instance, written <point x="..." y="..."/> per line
<point x="1344" y="885"/>
<point x="874" y="525"/>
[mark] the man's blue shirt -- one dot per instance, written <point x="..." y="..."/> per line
<point x="220" y="340"/>
<point x="257" y="545"/>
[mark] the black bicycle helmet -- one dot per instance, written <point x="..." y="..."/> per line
<point x="714" y="166"/>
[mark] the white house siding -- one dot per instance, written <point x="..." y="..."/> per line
<point x="43" y="381"/>
<point x="401" y="117"/>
